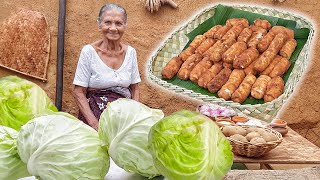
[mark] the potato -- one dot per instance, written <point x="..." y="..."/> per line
<point x="251" y="129"/>
<point x="269" y="137"/>
<point x="257" y="140"/>
<point x="229" y="130"/>
<point x="239" y="137"/>
<point x="261" y="131"/>
<point x="252" y="135"/>
<point x="241" y="131"/>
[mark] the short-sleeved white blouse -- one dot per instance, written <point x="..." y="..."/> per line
<point x="94" y="73"/>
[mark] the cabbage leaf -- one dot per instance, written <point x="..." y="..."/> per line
<point x="123" y="128"/>
<point x="58" y="147"/>
<point x="11" y="166"/>
<point x="20" y="101"/>
<point x="188" y="145"/>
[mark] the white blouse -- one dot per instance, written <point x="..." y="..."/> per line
<point x="94" y="73"/>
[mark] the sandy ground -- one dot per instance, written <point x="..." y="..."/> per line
<point x="147" y="31"/>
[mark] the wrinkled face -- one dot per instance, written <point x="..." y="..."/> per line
<point x="112" y="25"/>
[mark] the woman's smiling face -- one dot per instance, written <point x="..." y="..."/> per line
<point x="112" y="24"/>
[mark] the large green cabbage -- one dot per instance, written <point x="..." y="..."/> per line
<point x="20" y="101"/>
<point x="58" y="147"/>
<point x="123" y="128"/>
<point x="187" y="145"/>
<point x="11" y="166"/>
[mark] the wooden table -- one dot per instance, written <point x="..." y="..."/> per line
<point x="294" y="149"/>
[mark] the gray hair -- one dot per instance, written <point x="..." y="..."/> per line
<point x="108" y="7"/>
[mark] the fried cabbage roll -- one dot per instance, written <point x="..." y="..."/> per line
<point x="264" y="60"/>
<point x="281" y="29"/>
<point x="171" y="68"/>
<point x="197" y="41"/>
<point x="245" y="35"/>
<point x="275" y="88"/>
<point x="200" y="68"/>
<point x="280" y="68"/>
<point x="265" y="42"/>
<point x="244" y="89"/>
<point x="288" y="48"/>
<point x="186" y="53"/>
<point x="217" y="82"/>
<point x="256" y="36"/>
<point x="260" y="86"/>
<point x="209" y="75"/>
<point x="205" y="45"/>
<point x="245" y="58"/>
<point x="222" y="31"/>
<point x="262" y="23"/>
<point x="211" y="32"/>
<point x="273" y="63"/>
<point x="232" y="84"/>
<point x="235" y="50"/>
<point x="188" y="65"/>
<point x="236" y="21"/>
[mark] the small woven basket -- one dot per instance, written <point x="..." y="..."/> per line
<point x="178" y="39"/>
<point x="254" y="150"/>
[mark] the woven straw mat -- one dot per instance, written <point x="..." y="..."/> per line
<point x="25" y="44"/>
<point x="178" y="39"/>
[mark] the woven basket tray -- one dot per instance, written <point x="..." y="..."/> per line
<point x="177" y="41"/>
<point x="251" y="150"/>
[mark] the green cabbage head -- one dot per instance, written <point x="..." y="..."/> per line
<point x="58" y="147"/>
<point x="187" y="146"/>
<point x="11" y="166"/>
<point x="123" y="128"/>
<point x="20" y="101"/>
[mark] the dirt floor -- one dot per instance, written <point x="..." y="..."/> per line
<point x="147" y="31"/>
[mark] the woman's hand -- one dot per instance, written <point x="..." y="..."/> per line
<point x="135" y="91"/>
<point x="94" y="124"/>
<point x="79" y="94"/>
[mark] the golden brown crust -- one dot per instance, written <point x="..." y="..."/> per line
<point x="265" y="42"/>
<point x="278" y="41"/>
<point x="235" y="50"/>
<point x="274" y="89"/>
<point x="217" y="82"/>
<point x="245" y="35"/>
<point x="216" y="54"/>
<point x="188" y="65"/>
<point x="205" y="45"/>
<point x="288" y="48"/>
<point x="264" y="60"/>
<point x="262" y="23"/>
<point x="233" y="32"/>
<point x="171" y="68"/>
<point x="250" y="69"/>
<point x="245" y="58"/>
<point x="200" y="68"/>
<point x="236" y="21"/>
<point x="232" y="84"/>
<point x="260" y="86"/>
<point x="209" y="75"/>
<point x="281" y="29"/>
<point x="186" y="53"/>
<point x="273" y="63"/>
<point x="256" y="36"/>
<point x="197" y="41"/>
<point x="222" y="31"/>
<point x="280" y="68"/>
<point x="211" y="32"/>
<point x="244" y="89"/>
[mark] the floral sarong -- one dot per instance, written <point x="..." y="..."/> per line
<point x="99" y="98"/>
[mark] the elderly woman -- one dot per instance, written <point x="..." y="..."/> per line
<point x="107" y="69"/>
